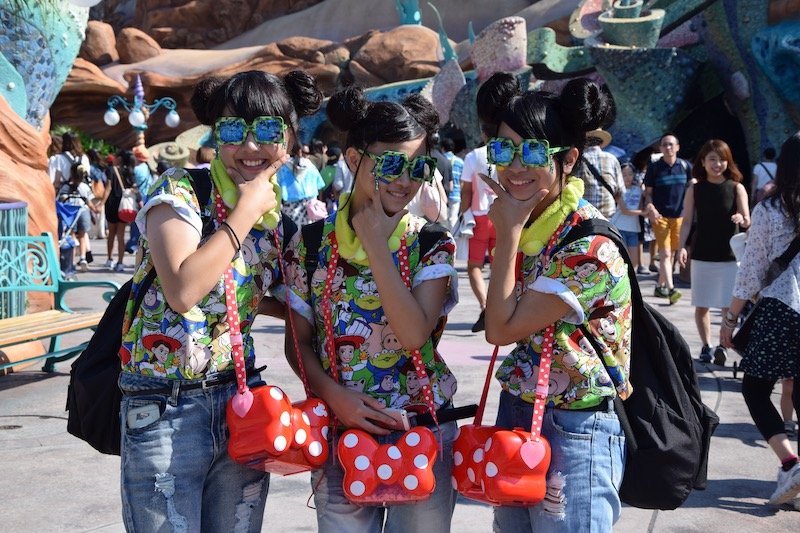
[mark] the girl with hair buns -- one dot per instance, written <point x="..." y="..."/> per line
<point x="392" y="314"/>
<point x="209" y="257"/>
<point x="541" y="289"/>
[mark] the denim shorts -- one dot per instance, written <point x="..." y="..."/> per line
<point x="588" y="458"/>
<point x="630" y="238"/>
<point x="176" y="471"/>
<point x="336" y="514"/>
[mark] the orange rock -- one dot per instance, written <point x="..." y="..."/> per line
<point x="135" y="45"/>
<point x="100" y="45"/>
<point x="403" y="53"/>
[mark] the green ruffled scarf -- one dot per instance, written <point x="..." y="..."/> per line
<point x="230" y="195"/>
<point x="536" y="236"/>
<point x="349" y="245"/>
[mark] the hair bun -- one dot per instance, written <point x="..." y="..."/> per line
<point x="423" y="112"/>
<point x="494" y="96"/>
<point x="302" y="89"/>
<point x="347" y="107"/>
<point x="588" y="104"/>
<point x="202" y="95"/>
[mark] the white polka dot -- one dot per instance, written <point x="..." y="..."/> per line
<point x="306" y="420"/>
<point x="361" y="462"/>
<point x="286" y="419"/>
<point x="350" y="440"/>
<point x="488" y="444"/>
<point x="412" y="439"/>
<point x="478" y="455"/>
<point x="471" y="474"/>
<point x="301" y="436"/>
<point x="491" y="469"/>
<point x="357" y="488"/>
<point x="315" y="449"/>
<point x="453" y="482"/>
<point x="280" y="443"/>
<point x="276" y="393"/>
<point x="324" y="432"/>
<point x="385" y="472"/>
<point x="411" y="482"/>
<point x="458" y="458"/>
<point x="421" y="461"/>
<point x="394" y="452"/>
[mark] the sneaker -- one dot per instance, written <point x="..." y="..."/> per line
<point x="83" y="266"/>
<point x="720" y="356"/>
<point x="788" y="486"/>
<point x="479" y="324"/>
<point x="661" y="292"/>
<point x="790" y="428"/>
<point x="119" y="267"/>
<point x="674" y="295"/>
<point x="705" y="354"/>
<point x="653" y="268"/>
<point x="110" y="263"/>
<point x="642" y="271"/>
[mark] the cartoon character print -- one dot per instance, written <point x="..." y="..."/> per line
<point x="162" y="349"/>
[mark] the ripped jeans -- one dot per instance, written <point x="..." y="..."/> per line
<point x="588" y="458"/>
<point x="177" y="475"/>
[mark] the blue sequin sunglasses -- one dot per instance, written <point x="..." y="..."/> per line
<point x="532" y="152"/>
<point x="390" y="165"/>
<point x="234" y="130"/>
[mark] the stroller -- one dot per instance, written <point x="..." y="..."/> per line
<point x="67" y="215"/>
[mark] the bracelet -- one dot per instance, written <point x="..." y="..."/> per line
<point x="233" y="235"/>
<point x="730" y="323"/>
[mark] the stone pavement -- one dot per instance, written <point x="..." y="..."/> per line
<point x="51" y="481"/>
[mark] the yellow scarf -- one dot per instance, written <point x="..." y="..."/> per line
<point x="349" y="246"/>
<point x="535" y="237"/>
<point x="230" y="195"/>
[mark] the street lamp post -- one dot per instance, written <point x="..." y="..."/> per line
<point x="139" y="111"/>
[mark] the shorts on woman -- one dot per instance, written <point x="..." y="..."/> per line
<point x="176" y="471"/>
<point x="483" y="240"/>
<point x="336" y="514"/>
<point x="631" y="238"/>
<point x="712" y="283"/>
<point x="588" y="454"/>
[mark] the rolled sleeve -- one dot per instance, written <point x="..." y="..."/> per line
<point x="184" y="210"/>
<point x="551" y="286"/>
<point x="431" y="272"/>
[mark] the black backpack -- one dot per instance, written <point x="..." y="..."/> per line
<point x="93" y="395"/>
<point x="667" y="426"/>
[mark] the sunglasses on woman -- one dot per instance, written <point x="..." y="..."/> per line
<point x="234" y="130"/>
<point x="532" y="152"/>
<point x="390" y="165"/>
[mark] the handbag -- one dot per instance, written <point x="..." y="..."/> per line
<point x="128" y="204"/>
<point x="267" y="431"/>
<point x="500" y="466"/>
<point x="776" y="268"/>
<point x="390" y="473"/>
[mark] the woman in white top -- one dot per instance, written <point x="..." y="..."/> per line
<point x="773" y="351"/>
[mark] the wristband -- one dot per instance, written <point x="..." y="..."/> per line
<point x="233" y="235"/>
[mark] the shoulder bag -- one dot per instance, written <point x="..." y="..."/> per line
<point x="129" y="203"/>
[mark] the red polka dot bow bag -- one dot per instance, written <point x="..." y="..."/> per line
<point x="500" y="466"/>
<point x="267" y="431"/>
<point x="385" y="474"/>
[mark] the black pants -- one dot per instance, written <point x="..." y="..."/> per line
<point x="757" y="392"/>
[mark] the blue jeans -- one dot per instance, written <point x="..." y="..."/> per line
<point x="588" y="454"/>
<point x="176" y="472"/>
<point x="336" y="514"/>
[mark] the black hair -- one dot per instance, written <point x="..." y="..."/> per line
<point x="563" y="120"/>
<point x="448" y="144"/>
<point x="67" y="142"/>
<point x="316" y="146"/>
<point x="369" y="122"/>
<point x="769" y="153"/>
<point x="787" y="180"/>
<point x="255" y="93"/>
<point x="94" y="157"/>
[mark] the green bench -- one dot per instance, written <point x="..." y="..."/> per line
<point x="30" y="264"/>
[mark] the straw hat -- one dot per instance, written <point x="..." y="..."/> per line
<point x="171" y="153"/>
<point x="601" y="135"/>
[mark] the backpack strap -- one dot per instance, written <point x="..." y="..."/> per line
<point x="312" y="237"/>
<point x="771" y="177"/>
<point x="599" y="177"/>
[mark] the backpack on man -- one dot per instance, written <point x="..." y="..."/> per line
<point x="667" y="426"/>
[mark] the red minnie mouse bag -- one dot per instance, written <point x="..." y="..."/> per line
<point x="389" y="473"/>
<point x="267" y="431"/>
<point x="500" y="466"/>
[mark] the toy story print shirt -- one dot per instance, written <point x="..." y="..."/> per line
<point x="369" y="356"/>
<point x="164" y="343"/>
<point x="591" y="276"/>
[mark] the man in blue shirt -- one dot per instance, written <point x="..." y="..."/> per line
<point x="665" y="183"/>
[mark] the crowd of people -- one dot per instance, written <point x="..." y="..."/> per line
<point x="368" y="296"/>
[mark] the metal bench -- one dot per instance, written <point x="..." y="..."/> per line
<point x="30" y="264"/>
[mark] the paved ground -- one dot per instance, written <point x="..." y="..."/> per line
<point x="50" y="481"/>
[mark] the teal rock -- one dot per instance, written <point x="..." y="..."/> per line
<point x="639" y="32"/>
<point x="550" y="60"/>
<point x="776" y="50"/>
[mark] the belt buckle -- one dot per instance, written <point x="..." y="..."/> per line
<point x="207" y="383"/>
